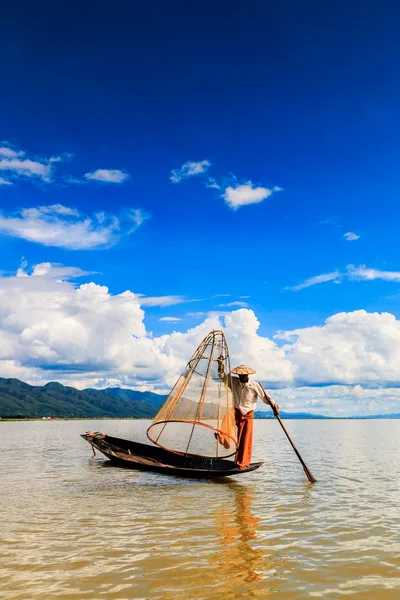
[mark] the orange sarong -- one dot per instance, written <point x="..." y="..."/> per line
<point x="244" y="425"/>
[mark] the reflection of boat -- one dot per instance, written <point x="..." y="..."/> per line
<point x="238" y="530"/>
<point x="245" y="561"/>
<point x="133" y="455"/>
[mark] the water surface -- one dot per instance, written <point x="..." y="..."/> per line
<point x="73" y="527"/>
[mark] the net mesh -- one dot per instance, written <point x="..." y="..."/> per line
<point x="198" y="416"/>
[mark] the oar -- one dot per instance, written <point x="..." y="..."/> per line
<point x="307" y="471"/>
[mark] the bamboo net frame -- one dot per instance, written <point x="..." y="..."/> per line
<point x="198" y="416"/>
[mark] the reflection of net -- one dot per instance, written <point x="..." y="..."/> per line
<point x="198" y="415"/>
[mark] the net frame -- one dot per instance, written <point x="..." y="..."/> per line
<point x="215" y="342"/>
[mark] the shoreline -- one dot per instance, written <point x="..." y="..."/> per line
<point x="286" y="418"/>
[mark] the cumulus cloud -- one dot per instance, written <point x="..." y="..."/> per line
<point x="87" y="336"/>
<point x="350" y="348"/>
<point x="235" y="195"/>
<point x="261" y="353"/>
<point x="189" y="169"/>
<point x="350" y="236"/>
<point x="65" y="227"/>
<point x="48" y="324"/>
<point x="338" y="400"/>
<point x="83" y="335"/>
<point x="246" y="193"/>
<point x="107" y="176"/>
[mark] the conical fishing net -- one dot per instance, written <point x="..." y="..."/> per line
<point x="198" y="416"/>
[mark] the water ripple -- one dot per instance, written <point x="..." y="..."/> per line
<point x="74" y="527"/>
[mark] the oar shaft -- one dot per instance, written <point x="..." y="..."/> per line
<point x="307" y="471"/>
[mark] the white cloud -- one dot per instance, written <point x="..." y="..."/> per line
<point x="170" y="319"/>
<point x="189" y="169"/>
<point x="138" y="217"/>
<point x="17" y="164"/>
<point x="64" y="227"/>
<point x="244" y="194"/>
<point x="350" y="348"/>
<point x="5" y="181"/>
<point x="86" y="336"/>
<point x="26" y="168"/>
<point x="48" y="324"/>
<point x="260" y="353"/>
<point x="211" y="314"/>
<point x="107" y="176"/>
<point x="352" y="273"/>
<point x="235" y="195"/>
<point x="52" y="209"/>
<point x="364" y="273"/>
<point x="338" y="400"/>
<point x="160" y="300"/>
<point x="65" y="156"/>
<point x="236" y="303"/>
<point x="52" y="271"/>
<point x="8" y="152"/>
<point x="324" y="277"/>
<point x="212" y="183"/>
<point x="350" y="236"/>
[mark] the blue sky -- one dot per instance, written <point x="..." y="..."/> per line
<point x="216" y="153"/>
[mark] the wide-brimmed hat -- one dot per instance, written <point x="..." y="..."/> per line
<point x="243" y="370"/>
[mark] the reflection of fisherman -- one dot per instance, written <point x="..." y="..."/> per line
<point x="243" y="560"/>
<point x="245" y="393"/>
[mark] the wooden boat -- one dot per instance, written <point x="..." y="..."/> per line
<point x="134" y="455"/>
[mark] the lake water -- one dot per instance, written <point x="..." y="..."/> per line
<point x="74" y="528"/>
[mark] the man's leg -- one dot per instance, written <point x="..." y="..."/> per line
<point x="245" y="438"/>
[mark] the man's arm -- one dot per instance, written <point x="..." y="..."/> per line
<point x="221" y="369"/>
<point x="267" y="399"/>
<point x="221" y="372"/>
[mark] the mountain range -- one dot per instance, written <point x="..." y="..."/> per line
<point x="20" y="400"/>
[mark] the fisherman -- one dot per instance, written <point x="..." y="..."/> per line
<point x="245" y="392"/>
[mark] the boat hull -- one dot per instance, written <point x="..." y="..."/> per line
<point x="134" y="455"/>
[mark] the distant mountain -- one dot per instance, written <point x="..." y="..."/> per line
<point x="20" y="400"/>
<point x="285" y="415"/>
<point x="301" y="415"/>
<point x="391" y="416"/>
<point x="155" y="400"/>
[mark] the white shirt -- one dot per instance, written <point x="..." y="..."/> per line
<point x="245" y="394"/>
